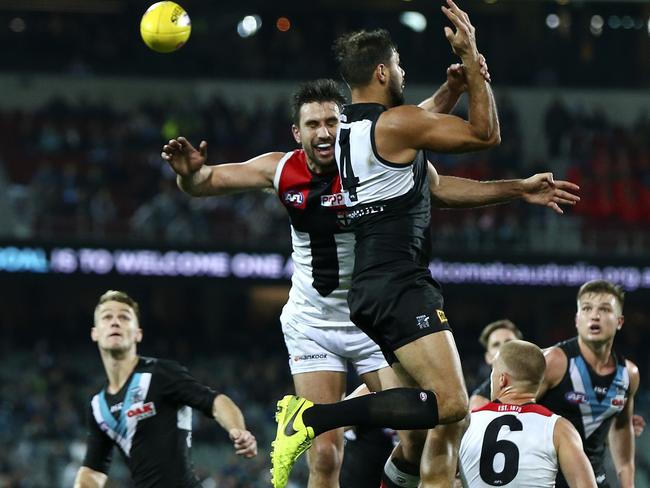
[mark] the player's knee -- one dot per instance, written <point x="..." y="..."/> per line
<point x="325" y="457"/>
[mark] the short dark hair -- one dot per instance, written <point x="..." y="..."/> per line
<point x="603" y="286"/>
<point x="323" y="90"/>
<point x="496" y="325"/>
<point x="359" y="53"/>
<point x="119" y="296"/>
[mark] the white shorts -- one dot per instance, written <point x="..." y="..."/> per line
<point x="314" y="349"/>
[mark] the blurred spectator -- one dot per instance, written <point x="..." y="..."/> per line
<point x="95" y="173"/>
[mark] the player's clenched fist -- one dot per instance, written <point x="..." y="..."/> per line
<point x="244" y="442"/>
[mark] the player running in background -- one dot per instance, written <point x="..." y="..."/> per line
<point x="592" y="386"/>
<point x="511" y="441"/>
<point x="145" y="408"/>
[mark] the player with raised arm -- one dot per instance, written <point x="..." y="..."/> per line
<point x="393" y="298"/>
<point x="512" y="441"/>
<point x="145" y="408"/>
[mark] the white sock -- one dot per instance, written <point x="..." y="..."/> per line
<point x="400" y="478"/>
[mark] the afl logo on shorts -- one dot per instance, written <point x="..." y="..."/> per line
<point x="294" y="198"/>
<point x="575" y="397"/>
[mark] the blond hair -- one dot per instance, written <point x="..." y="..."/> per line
<point x="524" y="362"/>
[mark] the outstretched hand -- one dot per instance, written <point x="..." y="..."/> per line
<point x="184" y="158"/>
<point x="542" y="189"/>
<point x="457" y="76"/>
<point x="244" y="442"/>
<point x="463" y="41"/>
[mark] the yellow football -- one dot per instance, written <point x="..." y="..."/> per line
<point x="165" y="27"/>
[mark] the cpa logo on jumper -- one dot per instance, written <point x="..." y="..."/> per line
<point x="142" y="412"/>
<point x="336" y="200"/>
<point x="575" y="397"/>
<point x="294" y="198"/>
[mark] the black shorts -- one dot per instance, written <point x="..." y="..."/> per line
<point x="396" y="305"/>
<point x="365" y="457"/>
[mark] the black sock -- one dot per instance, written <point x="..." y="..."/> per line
<point x="399" y="409"/>
<point x="406" y="467"/>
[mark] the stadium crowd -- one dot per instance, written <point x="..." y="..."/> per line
<point x="98" y="175"/>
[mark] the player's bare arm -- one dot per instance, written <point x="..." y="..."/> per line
<point x="89" y="478"/>
<point x="539" y="189"/>
<point x="556" y="365"/>
<point x="230" y="417"/>
<point x="197" y="178"/>
<point x="403" y="130"/>
<point x="621" y="434"/>
<point x="445" y="98"/>
<point x="571" y="456"/>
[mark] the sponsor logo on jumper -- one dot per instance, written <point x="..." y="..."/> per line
<point x="441" y="316"/>
<point x="575" y="397"/>
<point x="294" y="198"/>
<point x="116" y="407"/>
<point x="142" y="412"/>
<point x="618" y="402"/>
<point x="308" y="357"/>
<point x="335" y="200"/>
<point x="423" y="321"/>
<point x="375" y="209"/>
<point x="600" y="478"/>
<point x="601" y="390"/>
